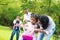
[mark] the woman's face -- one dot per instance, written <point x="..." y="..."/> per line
<point x="32" y="20"/>
<point x="39" y="22"/>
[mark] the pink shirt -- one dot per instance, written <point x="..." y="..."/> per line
<point x="29" y="29"/>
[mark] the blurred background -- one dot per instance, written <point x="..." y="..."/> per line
<point x="9" y="9"/>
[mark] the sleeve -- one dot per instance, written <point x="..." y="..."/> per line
<point x="25" y="27"/>
<point x="14" y="21"/>
<point x="21" y="24"/>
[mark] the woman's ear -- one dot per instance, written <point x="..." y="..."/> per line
<point x="39" y="22"/>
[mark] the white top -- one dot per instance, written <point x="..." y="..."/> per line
<point x="20" y="23"/>
<point x="27" y="16"/>
<point x="29" y="29"/>
<point x="51" y="26"/>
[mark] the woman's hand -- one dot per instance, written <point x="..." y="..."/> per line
<point x="43" y="31"/>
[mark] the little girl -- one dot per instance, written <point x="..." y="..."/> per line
<point x="16" y="28"/>
<point x="29" y="34"/>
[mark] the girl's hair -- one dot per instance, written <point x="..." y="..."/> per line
<point x="44" y="20"/>
<point x="34" y="16"/>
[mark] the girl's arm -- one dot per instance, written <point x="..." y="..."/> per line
<point x="36" y="29"/>
<point x="40" y="30"/>
<point x="25" y="27"/>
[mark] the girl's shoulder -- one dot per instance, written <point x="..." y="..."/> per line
<point x="28" y="23"/>
<point x="21" y="22"/>
<point x="29" y="13"/>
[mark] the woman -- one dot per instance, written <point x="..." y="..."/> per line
<point x="47" y="27"/>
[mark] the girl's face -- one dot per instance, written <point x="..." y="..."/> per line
<point x="18" y="17"/>
<point x="32" y="20"/>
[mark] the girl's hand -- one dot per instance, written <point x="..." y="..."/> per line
<point x="43" y="31"/>
<point x="36" y="30"/>
<point x="40" y="30"/>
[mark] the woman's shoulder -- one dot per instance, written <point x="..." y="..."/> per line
<point x="51" y="20"/>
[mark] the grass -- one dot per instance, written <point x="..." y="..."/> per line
<point x="5" y="33"/>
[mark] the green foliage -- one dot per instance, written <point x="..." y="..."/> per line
<point x="9" y="9"/>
